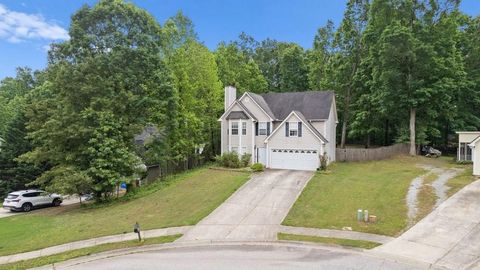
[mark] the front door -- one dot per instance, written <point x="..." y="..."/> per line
<point x="262" y="155"/>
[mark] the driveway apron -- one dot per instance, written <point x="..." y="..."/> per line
<point x="255" y="210"/>
<point x="449" y="237"/>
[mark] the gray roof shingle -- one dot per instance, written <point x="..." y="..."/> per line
<point x="237" y="115"/>
<point x="314" y="105"/>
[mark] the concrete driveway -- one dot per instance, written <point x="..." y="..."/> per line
<point x="252" y="211"/>
<point x="449" y="237"/>
<point x="243" y="256"/>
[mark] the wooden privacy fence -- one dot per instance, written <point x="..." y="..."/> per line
<point x="365" y="154"/>
<point x="157" y="172"/>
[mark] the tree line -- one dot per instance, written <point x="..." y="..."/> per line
<point x="402" y="71"/>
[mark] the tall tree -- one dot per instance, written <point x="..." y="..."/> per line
<point x="238" y="69"/>
<point x="105" y="85"/>
<point x="293" y="69"/>
<point x="349" y="51"/>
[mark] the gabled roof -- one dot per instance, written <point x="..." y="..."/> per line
<point x="305" y="123"/>
<point x="237" y="102"/>
<point x="261" y="102"/>
<point x="472" y="143"/>
<point x="237" y="115"/>
<point x="310" y="126"/>
<point x="314" y="105"/>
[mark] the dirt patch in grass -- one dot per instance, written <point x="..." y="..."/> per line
<point x="328" y="240"/>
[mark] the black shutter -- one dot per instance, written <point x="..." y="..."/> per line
<point x="256" y="129"/>
<point x="299" y="129"/>
<point x="286" y="129"/>
<point x="268" y="128"/>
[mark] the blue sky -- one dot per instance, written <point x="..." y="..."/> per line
<point x="27" y="27"/>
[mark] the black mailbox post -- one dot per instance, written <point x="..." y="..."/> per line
<point x="136" y="229"/>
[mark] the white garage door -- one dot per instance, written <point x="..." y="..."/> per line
<point x="294" y="159"/>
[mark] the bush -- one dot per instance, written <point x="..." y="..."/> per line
<point x="229" y="160"/>
<point x="245" y="159"/>
<point x="257" y="167"/>
<point x="323" y="161"/>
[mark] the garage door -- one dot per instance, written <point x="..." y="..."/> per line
<point x="294" y="159"/>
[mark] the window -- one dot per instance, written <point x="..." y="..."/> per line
<point x="293" y="129"/>
<point x="262" y="128"/>
<point x="235" y="149"/>
<point x="234" y="128"/>
<point x="32" y="194"/>
<point x="244" y="128"/>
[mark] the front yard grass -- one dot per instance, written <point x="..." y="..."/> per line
<point x="180" y="200"/>
<point x="331" y="200"/>
<point x="328" y="240"/>
<point x="37" y="262"/>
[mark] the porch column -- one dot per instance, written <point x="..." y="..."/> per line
<point x="229" y="135"/>
<point x="253" y="142"/>
<point x="240" y="132"/>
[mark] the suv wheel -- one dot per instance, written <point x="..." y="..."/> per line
<point x="26" y="207"/>
<point x="56" y="202"/>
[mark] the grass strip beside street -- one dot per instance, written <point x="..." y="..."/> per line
<point x="41" y="261"/>
<point x="179" y="200"/>
<point x="328" y="240"/>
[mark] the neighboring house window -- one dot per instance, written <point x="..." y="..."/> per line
<point x="244" y="128"/>
<point x="262" y="128"/>
<point x="293" y="129"/>
<point x="234" y="128"/>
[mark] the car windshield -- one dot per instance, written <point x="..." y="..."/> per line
<point x="12" y="196"/>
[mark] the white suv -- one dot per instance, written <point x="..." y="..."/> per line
<point x="26" y="200"/>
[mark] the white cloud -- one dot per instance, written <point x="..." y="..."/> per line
<point x="16" y="27"/>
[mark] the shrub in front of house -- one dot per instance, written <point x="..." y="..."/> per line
<point x="228" y="160"/>
<point x="257" y="167"/>
<point x="245" y="159"/>
<point x="231" y="160"/>
<point x="323" y="161"/>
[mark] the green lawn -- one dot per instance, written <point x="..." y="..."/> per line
<point x="181" y="200"/>
<point x="331" y="199"/>
<point x="37" y="262"/>
<point x="328" y="240"/>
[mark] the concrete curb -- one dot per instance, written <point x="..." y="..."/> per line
<point x="206" y="244"/>
<point x="90" y="243"/>
<point x="382" y="239"/>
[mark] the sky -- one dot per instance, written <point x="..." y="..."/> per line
<point x="28" y="27"/>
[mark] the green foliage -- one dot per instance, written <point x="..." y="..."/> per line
<point x="245" y="159"/>
<point x="229" y="160"/>
<point x="232" y="160"/>
<point x="99" y="92"/>
<point x="237" y="69"/>
<point x="257" y="167"/>
<point x="323" y="161"/>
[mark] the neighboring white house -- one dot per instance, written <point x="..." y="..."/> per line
<point x="475" y="146"/>
<point x="469" y="148"/>
<point x="280" y="130"/>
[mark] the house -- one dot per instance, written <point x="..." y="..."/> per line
<point x="469" y="148"/>
<point x="464" y="152"/>
<point x="280" y="130"/>
<point x="475" y="146"/>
